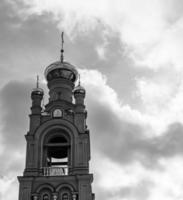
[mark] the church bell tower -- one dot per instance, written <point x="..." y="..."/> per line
<point x="58" y="142"/>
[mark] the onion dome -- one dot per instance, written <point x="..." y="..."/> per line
<point x="37" y="90"/>
<point x="79" y="90"/>
<point x="61" y="70"/>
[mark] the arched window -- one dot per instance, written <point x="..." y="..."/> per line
<point x="45" y="197"/>
<point x="65" y="196"/>
<point x="57" y="153"/>
<point x="57" y="113"/>
<point x="65" y="193"/>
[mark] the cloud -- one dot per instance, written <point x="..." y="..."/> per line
<point x="150" y="31"/>
<point x="116" y="125"/>
<point x="5" y="185"/>
<point x="165" y="52"/>
<point x="161" y="98"/>
<point x="119" y="139"/>
<point x="136" y="182"/>
<point x="15" y="103"/>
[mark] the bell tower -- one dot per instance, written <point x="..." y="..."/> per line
<point x="58" y="142"/>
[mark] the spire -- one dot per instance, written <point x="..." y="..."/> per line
<point x="37" y="82"/>
<point x="62" y="48"/>
<point x="37" y="89"/>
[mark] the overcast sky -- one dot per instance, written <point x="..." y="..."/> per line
<point x="130" y="57"/>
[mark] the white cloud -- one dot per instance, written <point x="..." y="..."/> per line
<point x="168" y="181"/>
<point x="166" y="51"/>
<point x="162" y="100"/>
<point x="132" y="176"/>
<point x="8" y="184"/>
<point x="97" y="88"/>
<point x="113" y="176"/>
<point x="141" y="183"/>
<point x="151" y="30"/>
<point x="101" y="51"/>
<point x="154" y="94"/>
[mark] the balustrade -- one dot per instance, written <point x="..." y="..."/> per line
<point x="55" y="171"/>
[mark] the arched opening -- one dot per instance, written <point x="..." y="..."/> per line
<point x="57" y="153"/>
<point x="65" y="196"/>
<point x="45" y="197"/>
<point x="45" y="194"/>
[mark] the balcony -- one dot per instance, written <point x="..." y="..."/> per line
<point x="55" y="171"/>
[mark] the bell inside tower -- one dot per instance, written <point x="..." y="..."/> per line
<point x="56" y="154"/>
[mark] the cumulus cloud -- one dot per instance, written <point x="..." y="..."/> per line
<point x="121" y="142"/>
<point x="115" y="124"/>
<point x="6" y="184"/>
<point x="124" y="140"/>
<point x="14" y="109"/>
<point x="151" y="31"/>
<point x="136" y="182"/>
<point x="161" y="97"/>
<point x="15" y="103"/>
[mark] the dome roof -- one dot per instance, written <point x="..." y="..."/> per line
<point x="79" y="89"/>
<point x="38" y="91"/>
<point x="61" y="70"/>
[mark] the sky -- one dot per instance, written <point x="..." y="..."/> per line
<point x="129" y="54"/>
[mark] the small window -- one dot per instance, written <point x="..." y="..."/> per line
<point x="65" y="196"/>
<point x="57" y="113"/>
<point x="46" y="197"/>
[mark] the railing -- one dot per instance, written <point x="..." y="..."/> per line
<point x="55" y="171"/>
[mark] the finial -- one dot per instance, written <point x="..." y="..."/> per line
<point x="62" y="49"/>
<point x="37" y="82"/>
<point x="37" y="89"/>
